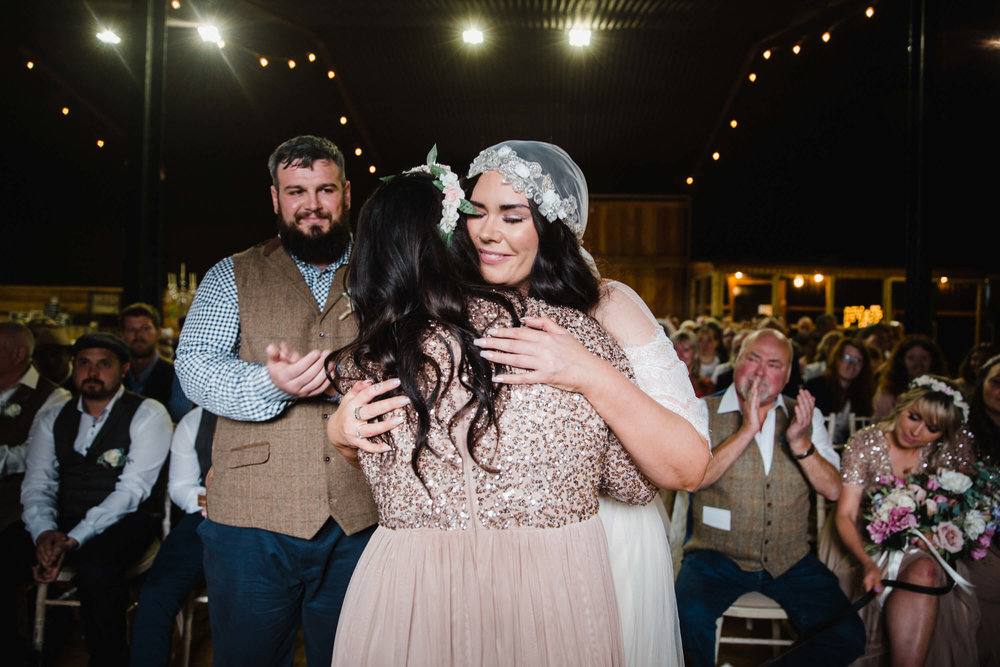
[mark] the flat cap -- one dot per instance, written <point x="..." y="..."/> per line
<point x="103" y="340"/>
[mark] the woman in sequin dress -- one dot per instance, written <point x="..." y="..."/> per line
<point x="531" y="204"/>
<point x="984" y="433"/>
<point x="921" y="434"/>
<point x="489" y="550"/>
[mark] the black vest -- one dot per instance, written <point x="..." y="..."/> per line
<point x="14" y="430"/>
<point x="83" y="481"/>
<point x="160" y="384"/>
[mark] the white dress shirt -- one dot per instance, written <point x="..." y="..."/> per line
<point x="185" y="470"/>
<point x="14" y="454"/>
<point x="150" y="432"/>
<point x="765" y="437"/>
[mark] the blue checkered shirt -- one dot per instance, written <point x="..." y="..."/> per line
<point x="208" y="364"/>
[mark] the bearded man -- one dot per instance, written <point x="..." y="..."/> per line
<point x="751" y="513"/>
<point x="288" y="518"/>
<point x="90" y="497"/>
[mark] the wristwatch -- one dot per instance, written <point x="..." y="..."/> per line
<point x="806" y="454"/>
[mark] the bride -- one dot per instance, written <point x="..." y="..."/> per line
<point x="531" y="205"/>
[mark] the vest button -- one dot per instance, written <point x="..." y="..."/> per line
<point x="326" y="415"/>
<point x="769" y="523"/>
<point x="767" y="541"/>
<point x="326" y="459"/>
<point x="322" y="333"/>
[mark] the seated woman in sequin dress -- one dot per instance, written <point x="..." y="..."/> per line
<point x="489" y="550"/>
<point x="921" y="434"/>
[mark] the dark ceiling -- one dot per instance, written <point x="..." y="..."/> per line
<point x="814" y="172"/>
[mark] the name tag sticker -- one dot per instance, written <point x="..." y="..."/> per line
<point x="716" y="517"/>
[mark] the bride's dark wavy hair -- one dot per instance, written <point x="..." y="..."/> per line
<point x="559" y="276"/>
<point x="404" y="288"/>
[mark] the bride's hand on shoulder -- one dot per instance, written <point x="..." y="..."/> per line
<point x="550" y="354"/>
<point x="355" y="421"/>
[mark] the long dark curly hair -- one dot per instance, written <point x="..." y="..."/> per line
<point x="559" y="275"/>
<point x="404" y="290"/>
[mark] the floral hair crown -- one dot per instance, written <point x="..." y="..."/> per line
<point x="938" y="386"/>
<point x="528" y="178"/>
<point x="446" y="181"/>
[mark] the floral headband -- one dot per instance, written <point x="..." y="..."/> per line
<point x="528" y="178"/>
<point x="938" y="386"/>
<point x="446" y="181"/>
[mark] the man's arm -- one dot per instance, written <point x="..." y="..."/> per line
<point x="178" y="405"/>
<point x="40" y="488"/>
<point x="150" y="432"/>
<point x="207" y="365"/>
<point x="733" y="447"/>
<point x="183" y="483"/>
<point x="14" y="456"/>
<point x="817" y="465"/>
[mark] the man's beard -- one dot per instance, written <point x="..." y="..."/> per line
<point x="95" y="390"/>
<point x="314" y="246"/>
<point x="763" y="390"/>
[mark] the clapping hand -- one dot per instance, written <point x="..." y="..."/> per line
<point x="295" y="374"/>
<point x="797" y="430"/>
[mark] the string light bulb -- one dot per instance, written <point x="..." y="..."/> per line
<point x="752" y="77"/>
<point x="796" y="49"/>
<point x="689" y="180"/>
<point x="767" y="54"/>
<point x="826" y="37"/>
<point x="263" y="61"/>
<point x="944" y="280"/>
<point x="799" y="281"/>
<point x="738" y="275"/>
<point x="100" y="143"/>
<point x="291" y="64"/>
<point x="733" y="123"/>
<point x="357" y="151"/>
<point x="818" y="278"/>
<point x="109" y="37"/>
<point x="311" y="57"/>
<point x="65" y="111"/>
<point x="330" y="74"/>
<point x="715" y="155"/>
<point x="371" y="169"/>
<point x="343" y="120"/>
<point x="176" y="4"/>
<point x="870" y="12"/>
<point x="30" y="64"/>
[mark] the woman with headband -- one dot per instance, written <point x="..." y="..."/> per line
<point x="531" y="206"/>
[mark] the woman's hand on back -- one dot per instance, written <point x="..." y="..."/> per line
<point x="354" y="423"/>
<point x="550" y="354"/>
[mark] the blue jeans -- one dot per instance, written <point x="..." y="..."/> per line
<point x="263" y="585"/>
<point x="176" y="573"/>
<point x="808" y="592"/>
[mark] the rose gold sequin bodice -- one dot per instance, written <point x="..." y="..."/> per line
<point x="866" y="457"/>
<point x="554" y="452"/>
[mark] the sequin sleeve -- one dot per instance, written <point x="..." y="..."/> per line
<point x="862" y="457"/>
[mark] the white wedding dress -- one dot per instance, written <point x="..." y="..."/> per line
<point x="637" y="534"/>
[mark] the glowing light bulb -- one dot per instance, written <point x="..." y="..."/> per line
<point x="870" y="12"/>
<point x="30" y="64"/>
<point x="818" y="278"/>
<point x="796" y="49"/>
<point x="767" y="54"/>
<point x="109" y="37"/>
<point x="733" y="123"/>
<point x="330" y="74"/>
<point x="579" y="37"/>
<point x="944" y="279"/>
<point x="826" y="37"/>
<point x="343" y="120"/>
<point x="263" y="61"/>
<point x="209" y="33"/>
<point x="371" y="169"/>
<point x="799" y="281"/>
<point x="689" y="180"/>
<point x="738" y="275"/>
<point x="100" y="143"/>
<point x="291" y="64"/>
<point x="715" y="155"/>
<point x="311" y="57"/>
<point x="65" y="111"/>
<point x="176" y="4"/>
<point x="357" y="151"/>
<point x="472" y="36"/>
<point x="752" y="77"/>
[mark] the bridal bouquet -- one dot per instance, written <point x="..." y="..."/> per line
<point x="953" y="513"/>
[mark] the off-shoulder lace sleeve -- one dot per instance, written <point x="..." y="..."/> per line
<point x="658" y="370"/>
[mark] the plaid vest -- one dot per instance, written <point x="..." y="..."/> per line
<point x="769" y="514"/>
<point x="283" y="475"/>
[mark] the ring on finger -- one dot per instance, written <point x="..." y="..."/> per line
<point x="357" y="412"/>
<point x="358" y="433"/>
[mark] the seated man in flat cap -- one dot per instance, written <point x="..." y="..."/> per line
<point x="88" y="496"/>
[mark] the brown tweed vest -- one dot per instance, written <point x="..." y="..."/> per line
<point x="283" y="475"/>
<point x="769" y="513"/>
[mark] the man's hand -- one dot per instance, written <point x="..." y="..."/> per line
<point x="295" y="374"/>
<point x="751" y="409"/>
<point x="50" y="551"/>
<point x="798" y="441"/>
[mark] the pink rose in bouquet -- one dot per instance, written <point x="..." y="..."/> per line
<point x="948" y="536"/>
